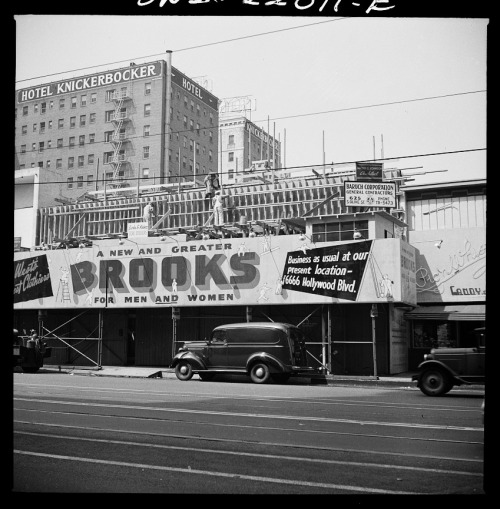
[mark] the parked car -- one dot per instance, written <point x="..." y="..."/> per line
<point x="444" y="368"/>
<point x="261" y="350"/>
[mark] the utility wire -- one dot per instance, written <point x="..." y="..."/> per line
<point x="185" y="49"/>
<point x="305" y="166"/>
<point x="187" y="130"/>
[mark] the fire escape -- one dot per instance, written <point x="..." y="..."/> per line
<point x="119" y="137"/>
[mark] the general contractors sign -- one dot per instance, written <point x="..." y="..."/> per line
<point x="134" y="72"/>
<point x="369" y="194"/>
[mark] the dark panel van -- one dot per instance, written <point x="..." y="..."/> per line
<point x="261" y="350"/>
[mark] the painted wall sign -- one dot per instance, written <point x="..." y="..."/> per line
<point x="456" y="272"/>
<point x="89" y="82"/>
<point x="241" y="271"/>
<point x="369" y="194"/>
<point x="193" y="88"/>
<point x="32" y="279"/>
<point x="372" y="172"/>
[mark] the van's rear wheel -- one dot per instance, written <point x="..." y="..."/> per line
<point x="435" y="382"/>
<point x="259" y="373"/>
<point x="184" y="371"/>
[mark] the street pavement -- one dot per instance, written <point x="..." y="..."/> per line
<point x="400" y="380"/>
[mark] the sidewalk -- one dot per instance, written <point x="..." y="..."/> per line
<point x="401" y="380"/>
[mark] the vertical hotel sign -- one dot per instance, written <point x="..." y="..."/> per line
<point x="131" y="73"/>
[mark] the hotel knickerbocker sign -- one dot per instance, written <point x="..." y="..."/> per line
<point x="266" y="270"/>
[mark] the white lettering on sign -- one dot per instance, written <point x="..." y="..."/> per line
<point x="88" y="82"/>
<point x="192" y="88"/>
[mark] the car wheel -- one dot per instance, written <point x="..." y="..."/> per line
<point x="434" y="382"/>
<point x="184" y="371"/>
<point x="280" y="378"/>
<point x="30" y="369"/>
<point x="259" y="373"/>
<point x="206" y="377"/>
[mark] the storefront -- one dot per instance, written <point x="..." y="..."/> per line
<point x="134" y="301"/>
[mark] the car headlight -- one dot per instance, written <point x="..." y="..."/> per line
<point x="428" y="357"/>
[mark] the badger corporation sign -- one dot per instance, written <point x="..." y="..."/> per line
<point x="369" y="194"/>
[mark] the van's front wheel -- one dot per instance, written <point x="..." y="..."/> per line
<point x="260" y="373"/>
<point x="184" y="371"/>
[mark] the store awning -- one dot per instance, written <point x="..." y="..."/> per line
<point x="469" y="312"/>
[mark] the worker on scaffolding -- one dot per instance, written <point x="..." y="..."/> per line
<point x="149" y="214"/>
<point x="218" y="209"/>
<point x="211" y="184"/>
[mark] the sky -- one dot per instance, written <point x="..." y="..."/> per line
<point x="411" y="91"/>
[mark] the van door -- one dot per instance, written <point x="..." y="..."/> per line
<point x="217" y="349"/>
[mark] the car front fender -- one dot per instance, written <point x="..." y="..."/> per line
<point x="435" y="364"/>
<point x="195" y="361"/>
<point x="275" y="364"/>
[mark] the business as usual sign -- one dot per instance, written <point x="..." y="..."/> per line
<point x="266" y="270"/>
<point x="369" y="194"/>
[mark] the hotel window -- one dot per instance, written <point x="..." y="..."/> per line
<point x="58" y="163"/>
<point x="147" y="110"/>
<point x="81" y="140"/>
<point x="185" y="121"/>
<point x="43" y="107"/>
<point x="184" y="162"/>
<point x="170" y="155"/>
<point x="48" y="163"/>
<point x="146" y="130"/>
<point x="35" y="107"/>
<point x="177" y="157"/>
<point x="109" y="176"/>
<point x="71" y="162"/>
<point x="25" y="110"/>
<point x="108" y="115"/>
<point x="72" y="122"/>
<point x="230" y="140"/>
<point x="145" y="152"/>
<point x="61" y="104"/>
<point x="50" y="124"/>
<point x="192" y="105"/>
<point x="41" y="146"/>
<point x="90" y="159"/>
<point x="34" y="128"/>
<point x="147" y="88"/>
<point x="198" y="109"/>
<point x="60" y="123"/>
<point x="171" y="113"/>
<point x="51" y="105"/>
<point x="92" y="118"/>
<point x="197" y="168"/>
<point x="197" y="129"/>
<point x="230" y="174"/>
<point x="92" y="138"/>
<point x="73" y="102"/>
<point x="210" y="158"/>
<point x="24" y="129"/>
<point x="71" y="141"/>
<point x="93" y="98"/>
<point x="184" y="142"/>
<point x="23" y="149"/>
<point x="108" y="136"/>
<point x="211" y="136"/>
<point x="191" y="145"/>
<point x="42" y="127"/>
<point x="83" y="100"/>
<point x="109" y="95"/>
<point x="230" y="156"/>
<point x="59" y="143"/>
<point x="211" y="118"/>
<point x="197" y="148"/>
<point x="145" y="172"/>
<point x="33" y="147"/>
<point x="107" y="157"/>
<point x="191" y="166"/>
<point x="49" y="144"/>
<point x="81" y="161"/>
<point x="79" y="181"/>
<point x="83" y="120"/>
<point x="90" y="180"/>
<point x="191" y="125"/>
<point x="69" y="183"/>
<point x="185" y="102"/>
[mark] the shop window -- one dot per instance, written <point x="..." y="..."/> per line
<point x="433" y="334"/>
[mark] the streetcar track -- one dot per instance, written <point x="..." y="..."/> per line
<point x="249" y="415"/>
<point x="257" y="455"/>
